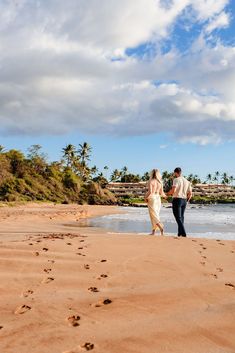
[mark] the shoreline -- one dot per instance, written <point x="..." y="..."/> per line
<point x="69" y="290"/>
<point x="202" y="222"/>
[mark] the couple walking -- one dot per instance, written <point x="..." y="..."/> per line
<point x="181" y="192"/>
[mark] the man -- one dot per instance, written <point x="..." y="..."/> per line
<point x="181" y="192"/>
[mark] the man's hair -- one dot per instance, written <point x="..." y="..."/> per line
<point x="177" y="170"/>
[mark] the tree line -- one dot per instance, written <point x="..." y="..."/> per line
<point x="76" y="160"/>
<point x="217" y="178"/>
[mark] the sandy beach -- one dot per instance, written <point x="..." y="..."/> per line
<point x="66" y="289"/>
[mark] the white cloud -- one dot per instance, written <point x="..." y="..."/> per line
<point x="202" y="140"/>
<point x="220" y="21"/>
<point x="207" y="9"/>
<point x="56" y="72"/>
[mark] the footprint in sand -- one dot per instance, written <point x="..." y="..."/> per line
<point x="230" y="285"/>
<point x="202" y="263"/>
<point x="30" y="243"/>
<point x="204" y="257"/>
<point x="214" y="275"/>
<point x="93" y="289"/>
<point x="87" y="267"/>
<point x="87" y="346"/>
<point x="204" y="248"/>
<point x="221" y="244"/>
<point x="69" y="243"/>
<point x="36" y="253"/>
<point x="45" y="249"/>
<point x="51" y="261"/>
<point x="194" y="240"/>
<point x="102" y="276"/>
<point x="80" y="248"/>
<point x="38" y="241"/>
<point x="232" y="251"/>
<point x="82" y="241"/>
<point x="84" y="347"/>
<point x="22" y="309"/>
<point x="1" y="327"/>
<point x="48" y="280"/>
<point x="103" y="260"/>
<point x="219" y="269"/>
<point x="73" y="320"/>
<point x="102" y="303"/>
<point x="27" y="293"/>
<point x="80" y="254"/>
<point x="47" y="270"/>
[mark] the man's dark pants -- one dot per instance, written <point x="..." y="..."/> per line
<point x="179" y="206"/>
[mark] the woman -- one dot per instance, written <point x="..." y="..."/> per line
<point x="153" y="198"/>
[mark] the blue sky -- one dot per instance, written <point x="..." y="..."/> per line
<point x="140" y="154"/>
<point x="147" y="85"/>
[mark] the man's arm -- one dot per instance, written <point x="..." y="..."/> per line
<point x="189" y="193"/>
<point x="172" y="190"/>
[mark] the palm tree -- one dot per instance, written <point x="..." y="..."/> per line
<point x="196" y="179"/>
<point x="167" y="179"/>
<point x="190" y="177"/>
<point x="209" y="178"/>
<point x="115" y="175"/>
<point x="225" y="179"/>
<point x="84" y="153"/>
<point x="166" y="175"/>
<point x="217" y="175"/>
<point x="145" y="177"/>
<point x="69" y="154"/>
<point x="124" y="173"/>
<point x="106" y="168"/>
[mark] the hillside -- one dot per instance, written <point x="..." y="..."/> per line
<point x="32" y="178"/>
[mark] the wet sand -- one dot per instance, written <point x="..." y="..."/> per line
<point x="69" y="289"/>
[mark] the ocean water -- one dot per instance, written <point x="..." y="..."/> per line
<point x="211" y="221"/>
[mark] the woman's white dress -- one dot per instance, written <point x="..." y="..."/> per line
<point x="154" y="206"/>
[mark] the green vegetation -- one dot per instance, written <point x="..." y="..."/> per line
<point x="33" y="178"/>
<point x="218" y="178"/>
<point x="71" y="179"/>
<point x="125" y="176"/>
<point x="211" y="200"/>
<point x="129" y="200"/>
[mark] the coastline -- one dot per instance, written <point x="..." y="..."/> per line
<point x="71" y="289"/>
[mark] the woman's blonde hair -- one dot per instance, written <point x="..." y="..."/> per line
<point x="155" y="174"/>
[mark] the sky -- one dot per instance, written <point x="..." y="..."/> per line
<point x="147" y="83"/>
